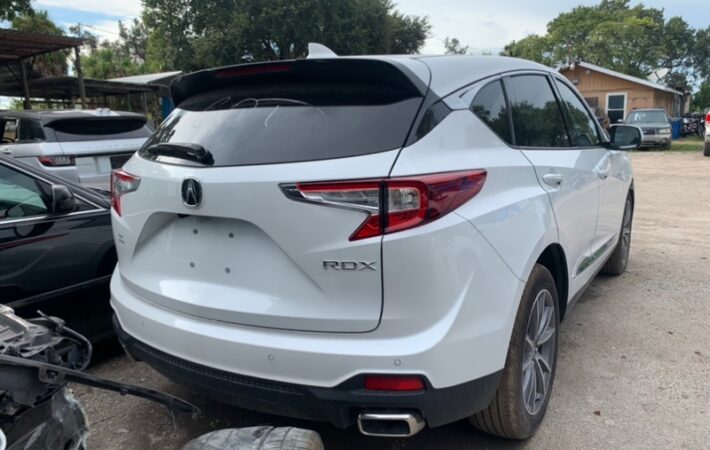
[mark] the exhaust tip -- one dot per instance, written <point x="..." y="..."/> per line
<point x="394" y="425"/>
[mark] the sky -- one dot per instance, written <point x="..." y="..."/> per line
<point x="482" y="25"/>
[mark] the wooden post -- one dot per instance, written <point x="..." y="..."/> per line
<point x="25" y="84"/>
<point x="80" y="76"/>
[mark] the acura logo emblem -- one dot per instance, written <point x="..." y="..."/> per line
<point x="191" y="192"/>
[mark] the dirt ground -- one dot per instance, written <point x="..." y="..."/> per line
<point x="634" y="367"/>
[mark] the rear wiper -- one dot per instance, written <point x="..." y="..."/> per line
<point x="190" y="152"/>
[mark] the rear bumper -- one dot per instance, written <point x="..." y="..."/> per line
<point x="338" y="405"/>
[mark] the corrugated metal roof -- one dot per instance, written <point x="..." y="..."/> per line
<point x="623" y="76"/>
<point x="16" y="45"/>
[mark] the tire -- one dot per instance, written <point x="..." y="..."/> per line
<point x="257" y="438"/>
<point x="706" y="150"/>
<point x="509" y="415"/>
<point x="619" y="259"/>
<point x="666" y="146"/>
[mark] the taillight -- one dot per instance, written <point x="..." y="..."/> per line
<point x="394" y="204"/>
<point x="122" y="183"/>
<point x="393" y="383"/>
<point x="56" y="161"/>
<point x="707" y="119"/>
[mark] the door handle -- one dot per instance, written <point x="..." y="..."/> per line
<point x="603" y="174"/>
<point x="553" y="179"/>
<point x="5" y="151"/>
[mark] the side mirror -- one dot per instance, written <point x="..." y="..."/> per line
<point x="625" y="137"/>
<point x="620" y="121"/>
<point x="63" y="200"/>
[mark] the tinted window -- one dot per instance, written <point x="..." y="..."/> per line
<point x="489" y="105"/>
<point x="537" y="119"/>
<point x="290" y="122"/>
<point x="20" y="195"/>
<point x="582" y="128"/>
<point x="99" y="128"/>
<point x="31" y="130"/>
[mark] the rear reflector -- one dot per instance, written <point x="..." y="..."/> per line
<point x="56" y="161"/>
<point x="393" y="383"/>
<point x="394" y="204"/>
<point x="122" y="183"/>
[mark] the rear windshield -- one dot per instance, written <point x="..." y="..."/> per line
<point x="291" y="121"/>
<point x="94" y="129"/>
<point x="647" y="117"/>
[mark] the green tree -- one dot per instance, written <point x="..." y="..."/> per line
<point x="454" y="47"/>
<point x="193" y="34"/>
<point x="123" y="57"/>
<point x="51" y="64"/>
<point x="701" y="99"/>
<point x="9" y="9"/>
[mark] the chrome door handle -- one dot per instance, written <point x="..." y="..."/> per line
<point x="553" y="179"/>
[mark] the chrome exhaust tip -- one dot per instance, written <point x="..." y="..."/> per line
<point x="393" y="425"/>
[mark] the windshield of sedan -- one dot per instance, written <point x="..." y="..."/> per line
<point x="647" y="117"/>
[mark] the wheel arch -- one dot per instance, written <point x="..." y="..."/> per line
<point x="554" y="259"/>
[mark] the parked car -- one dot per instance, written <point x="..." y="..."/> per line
<point x="381" y="240"/>
<point x="78" y="145"/>
<point x="56" y="248"/>
<point x="706" y="149"/>
<point x="654" y="124"/>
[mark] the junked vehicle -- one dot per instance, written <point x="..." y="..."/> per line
<point x="655" y="126"/>
<point x="390" y="241"/>
<point x="56" y="248"/>
<point x="79" y="145"/>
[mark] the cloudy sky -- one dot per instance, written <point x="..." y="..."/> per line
<point x="482" y="25"/>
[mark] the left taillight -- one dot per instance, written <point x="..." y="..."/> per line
<point x="56" y="161"/>
<point x="122" y="183"/>
<point x="393" y="204"/>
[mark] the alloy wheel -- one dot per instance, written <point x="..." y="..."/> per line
<point x="540" y="348"/>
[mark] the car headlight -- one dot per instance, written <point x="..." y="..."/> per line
<point x="664" y="130"/>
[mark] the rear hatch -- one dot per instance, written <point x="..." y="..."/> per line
<point x="246" y="253"/>
<point x="100" y="143"/>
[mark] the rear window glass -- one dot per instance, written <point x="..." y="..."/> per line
<point x="90" y="129"/>
<point x="290" y="122"/>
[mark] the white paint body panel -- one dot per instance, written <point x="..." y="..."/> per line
<point x="444" y="298"/>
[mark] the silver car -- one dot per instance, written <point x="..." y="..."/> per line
<point x="79" y="145"/>
<point x="655" y="126"/>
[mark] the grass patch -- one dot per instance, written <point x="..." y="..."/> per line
<point x="688" y="144"/>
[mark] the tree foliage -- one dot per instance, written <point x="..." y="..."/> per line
<point x="633" y="40"/>
<point x="193" y="34"/>
<point x="454" y="47"/>
<point x="123" y="57"/>
<point x="9" y="9"/>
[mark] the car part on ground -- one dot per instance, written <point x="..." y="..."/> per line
<point x="257" y="438"/>
<point x="366" y="276"/>
<point x="56" y="248"/>
<point x="38" y="357"/>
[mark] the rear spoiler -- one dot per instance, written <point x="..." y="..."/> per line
<point x="59" y="121"/>
<point x="342" y="70"/>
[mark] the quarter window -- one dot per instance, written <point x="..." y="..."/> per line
<point x="8" y="130"/>
<point x="20" y="195"/>
<point x="537" y="119"/>
<point x="489" y="105"/>
<point x="583" y="131"/>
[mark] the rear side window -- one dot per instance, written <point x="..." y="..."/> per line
<point x="489" y="105"/>
<point x="99" y="128"/>
<point x="537" y="119"/>
<point x="30" y="131"/>
<point x="582" y="128"/>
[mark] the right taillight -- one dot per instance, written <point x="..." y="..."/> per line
<point x="56" y="161"/>
<point x="122" y="183"/>
<point x="394" y="204"/>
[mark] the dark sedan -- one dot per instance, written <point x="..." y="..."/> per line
<point x="56" y="248"/>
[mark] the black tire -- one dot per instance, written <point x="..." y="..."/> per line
<point x="507" y="416"/>
<point x="257" y="438"/>
<point x="706" y="150"/>
<point x="666" y="146"/>
<point x="619" y="259"/>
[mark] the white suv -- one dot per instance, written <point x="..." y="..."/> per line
<point x="388" y="241"/>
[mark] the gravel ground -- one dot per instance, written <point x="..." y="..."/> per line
<point x="634" y="360"/>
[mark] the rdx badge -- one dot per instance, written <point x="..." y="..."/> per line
<point x="348" y="265"/>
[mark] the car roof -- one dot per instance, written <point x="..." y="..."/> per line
<point x="47" y="116"/>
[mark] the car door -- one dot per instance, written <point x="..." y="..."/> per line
<point x="612" y="169"/>
<point x="40" y="251"/>
<point x="566" y="172"/>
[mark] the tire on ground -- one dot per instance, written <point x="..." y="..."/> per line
<point x="619" y="259"/>
<point x="257" y="438"/>
<point x="506" y="416"/>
